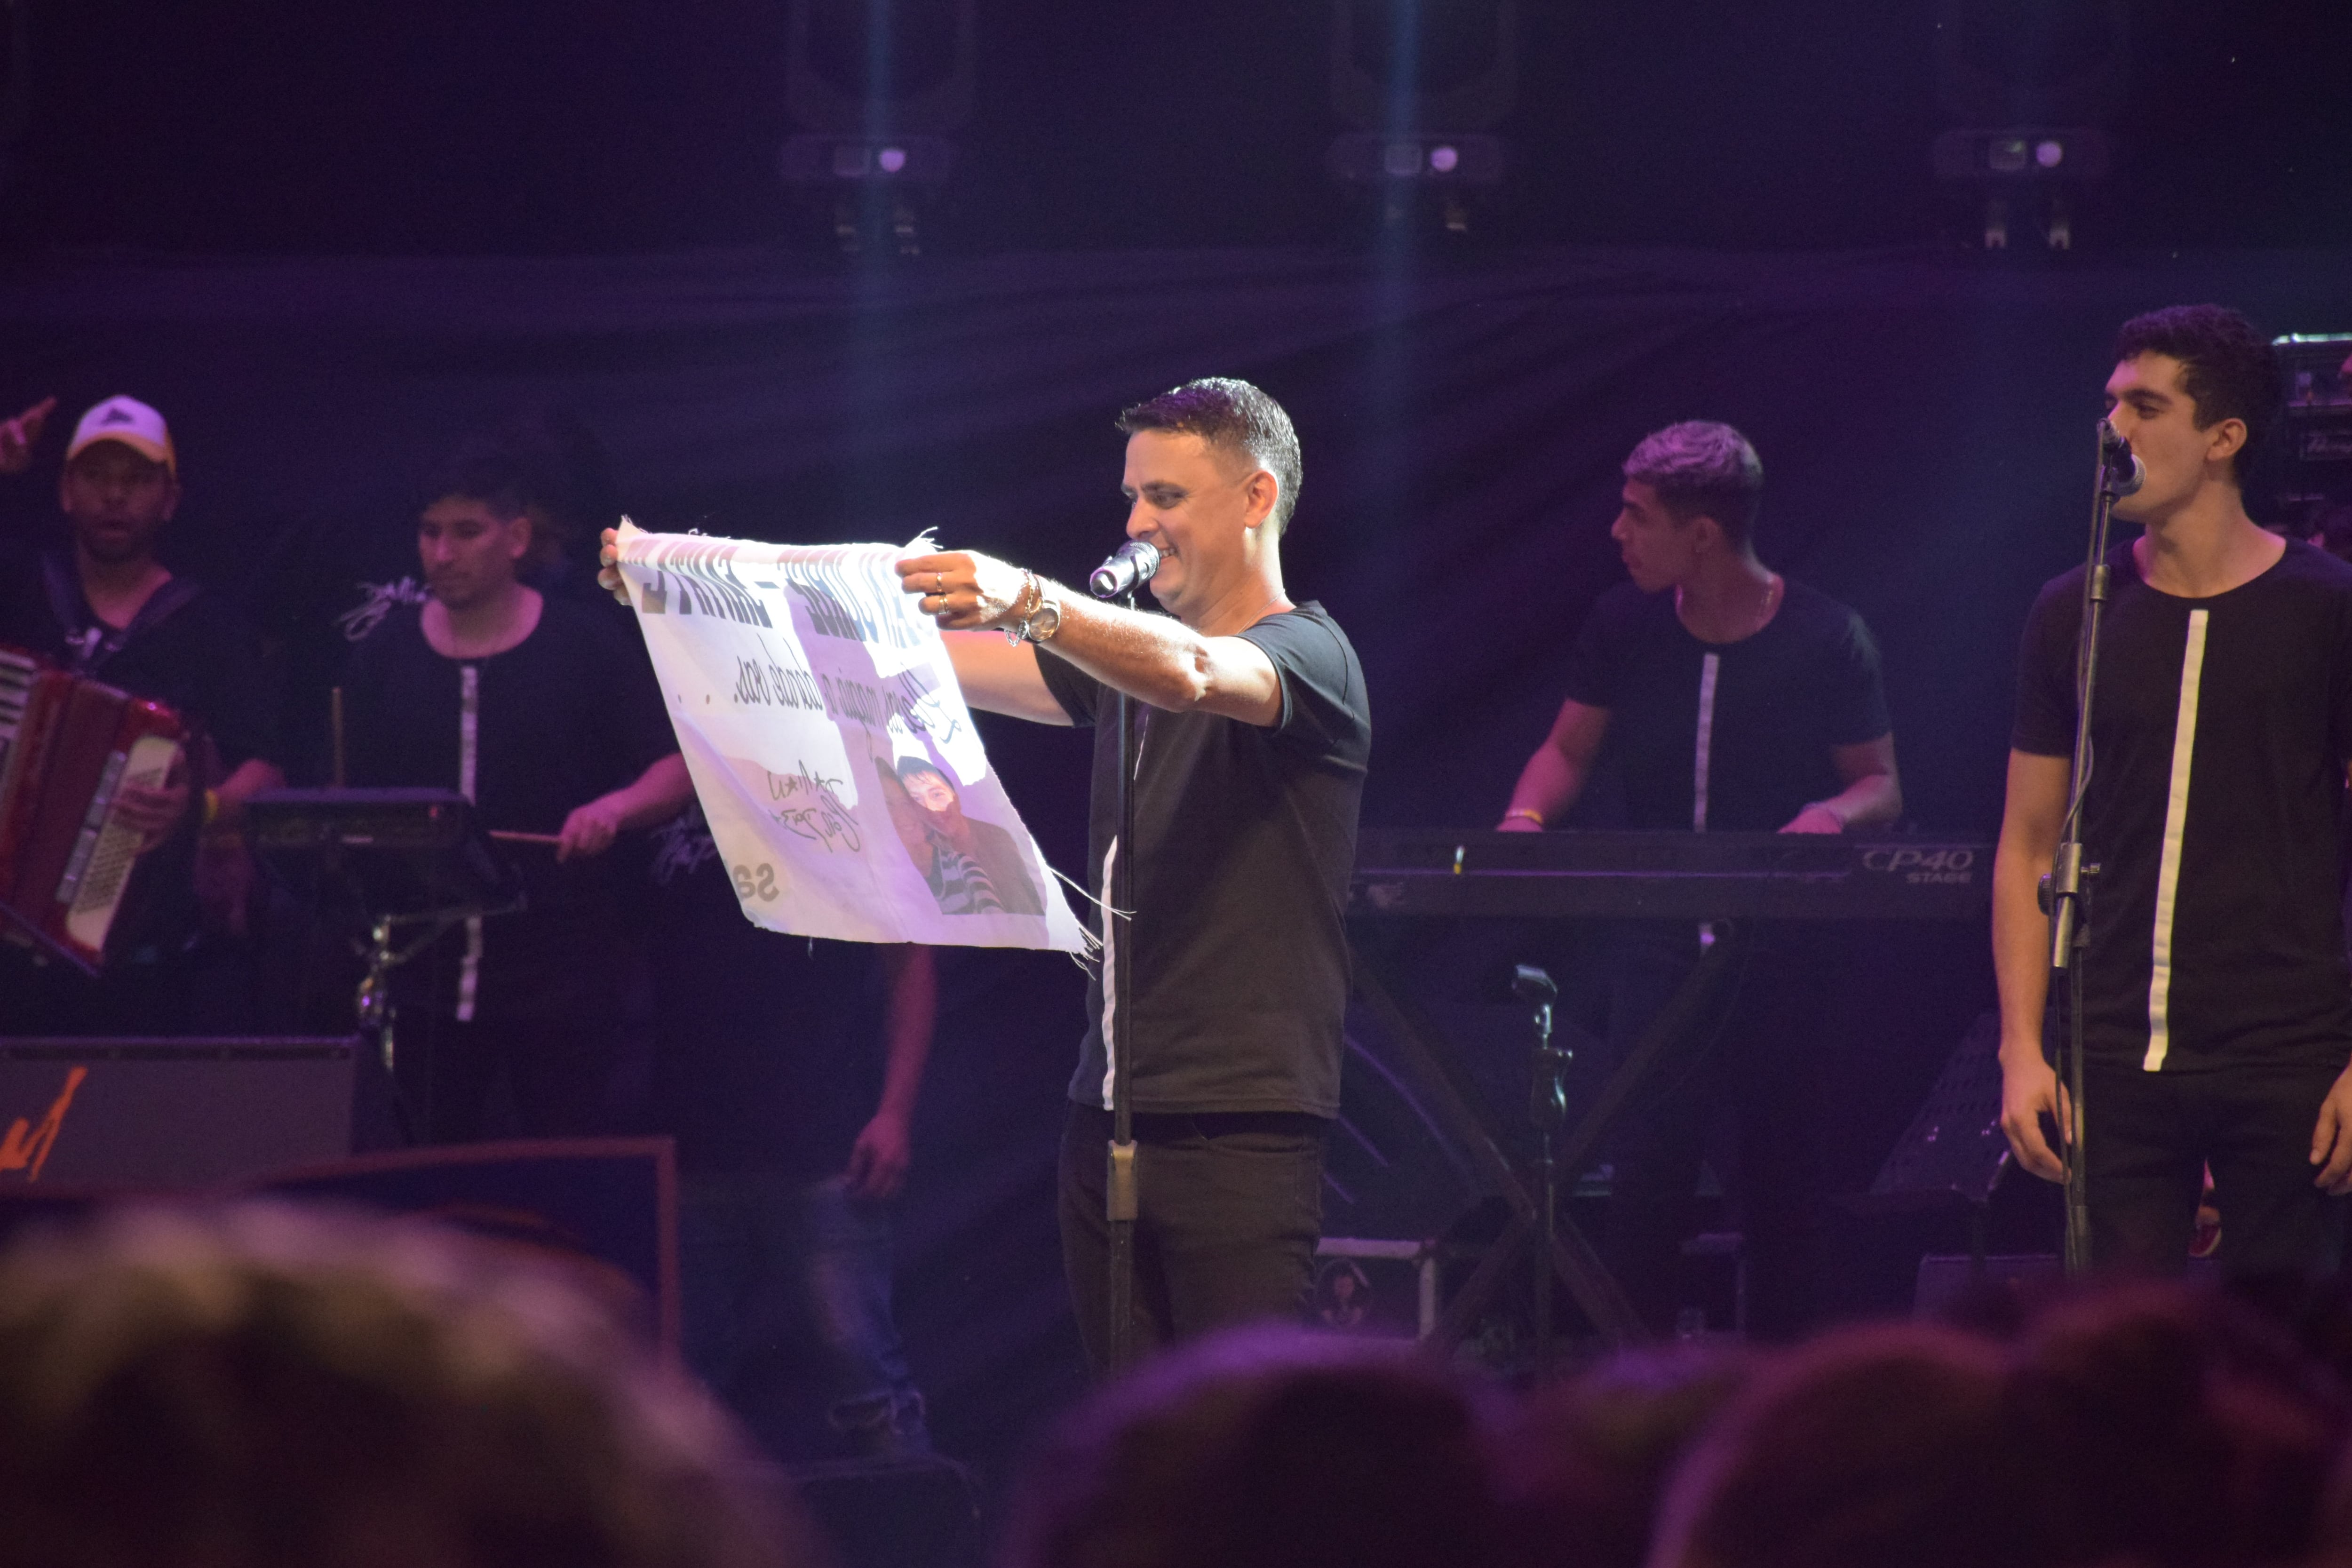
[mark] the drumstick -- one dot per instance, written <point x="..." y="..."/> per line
<point x="504" y="837"/>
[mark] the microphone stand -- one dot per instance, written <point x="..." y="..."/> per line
<point x="1120" y="1191"/>
<point x="2067" y="887"/>
<point x="1548" y="1110"/>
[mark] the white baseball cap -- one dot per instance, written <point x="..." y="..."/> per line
<point x="130" y="421"/>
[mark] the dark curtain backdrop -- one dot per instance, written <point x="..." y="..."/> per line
<point x="1923" y="421"/>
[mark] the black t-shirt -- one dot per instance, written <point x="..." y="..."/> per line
<point x="1774" y="703"/>
<point x="189" y="649"/>
<point x="1247" y="835"/>
<point x="202" y="659"/>
<point x="2239" y="826"/>
<point x="570" y="713"/>
<point x="767" y="1048"/>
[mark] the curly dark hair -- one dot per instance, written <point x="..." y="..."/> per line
<point x="2226" y="367"/>
<point x="1234" y="416"/>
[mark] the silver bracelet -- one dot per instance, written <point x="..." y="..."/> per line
<point x="1032" y="595"/>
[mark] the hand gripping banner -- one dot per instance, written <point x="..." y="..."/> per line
<point x="845" y="784"/>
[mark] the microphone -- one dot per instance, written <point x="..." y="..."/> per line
<point x="1130" y="567"/>
<point x="2121" y="473"/>
<point x="1532" y="985"/>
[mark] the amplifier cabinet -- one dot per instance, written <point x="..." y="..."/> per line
<point x="155" y="1113"/>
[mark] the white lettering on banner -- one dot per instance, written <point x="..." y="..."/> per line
<point x="847" y="789"/>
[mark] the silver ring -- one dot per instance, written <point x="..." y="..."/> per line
<point x="941" y="580"/>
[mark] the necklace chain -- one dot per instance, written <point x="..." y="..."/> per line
<point x="1763" y="610"/>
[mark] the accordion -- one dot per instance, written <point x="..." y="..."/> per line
<point x="67" y="745"/>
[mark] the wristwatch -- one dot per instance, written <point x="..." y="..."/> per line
<point x="1043" y="620"/>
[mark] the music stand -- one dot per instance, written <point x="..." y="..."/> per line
<point x="415" y="861"/>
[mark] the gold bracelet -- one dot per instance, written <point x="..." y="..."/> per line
<point x="1530" y="813"/>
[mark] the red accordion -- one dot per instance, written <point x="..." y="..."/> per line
<point x="67" y="745"/>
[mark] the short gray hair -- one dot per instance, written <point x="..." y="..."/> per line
<point x="1701" y="468"/>
<point x="1235" y="416"/>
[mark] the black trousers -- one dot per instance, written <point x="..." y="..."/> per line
<point x="1231" y="1207"/>
<point x="2147" y="1138"/>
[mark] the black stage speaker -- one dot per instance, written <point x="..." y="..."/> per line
<point x="165" y="1114"/>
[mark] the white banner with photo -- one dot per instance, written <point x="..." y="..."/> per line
<point x="845" y="784"/>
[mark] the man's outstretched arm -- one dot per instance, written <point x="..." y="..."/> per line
<point x="998" y="676"/>
<point x="1155" y="658"/>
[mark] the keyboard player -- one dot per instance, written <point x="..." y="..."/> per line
<point x="1729" y="698"/>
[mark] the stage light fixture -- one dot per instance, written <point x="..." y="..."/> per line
<point x="877" y="86"/>
<point x="837" y="160"/>
<point x="1425" y="82"/>
<point x="1363" y="158"/>
<point x="2028" y="84"/>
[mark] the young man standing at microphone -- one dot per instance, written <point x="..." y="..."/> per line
<point x="2217" y="1015"/>
<point x="1254" y="733"/>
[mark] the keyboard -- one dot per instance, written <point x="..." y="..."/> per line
<point x="1430" y="872"/>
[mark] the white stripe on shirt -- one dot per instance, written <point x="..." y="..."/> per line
<point x="1110" y="974"/>
<point x="1707" y="670"/>
<point x="469" y="733"/>
<point x="2176" y="825"/>
<point x="1142" y="719"/>
<point x="1707" y="674"/>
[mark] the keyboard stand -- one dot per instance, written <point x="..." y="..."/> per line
<point x="1683" y="1030"/>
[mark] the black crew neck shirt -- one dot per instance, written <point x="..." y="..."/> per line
<point x="204" y="659"/>
<point x="570" y="713"/>
<point x="1246" y="836"/>
<point x="1780" y="699"/>
<point x="2255" y="971"/>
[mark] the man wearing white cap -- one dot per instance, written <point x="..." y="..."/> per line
<point x="107" y="609"/>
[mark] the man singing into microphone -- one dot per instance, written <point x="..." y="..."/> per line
<point x="1254" y="735"/>
<point x="1732" y="699"/>
<point x="2217" y="1017"/>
